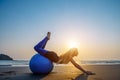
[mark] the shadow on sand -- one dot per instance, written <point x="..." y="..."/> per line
<point x="23" y="76"/>
<point x="31" y="76"/>
<point x="82" y="77"/>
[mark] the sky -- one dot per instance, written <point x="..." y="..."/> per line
<point x="93" y="24"/>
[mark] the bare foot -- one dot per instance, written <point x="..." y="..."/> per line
<point x="48" y="35"/>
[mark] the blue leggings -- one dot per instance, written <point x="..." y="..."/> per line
<point x="40" y="46"/>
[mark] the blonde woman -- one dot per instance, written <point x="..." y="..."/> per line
<point x="62" y="59"/>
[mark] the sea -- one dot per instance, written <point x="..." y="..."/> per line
<point x="26" y="62"/>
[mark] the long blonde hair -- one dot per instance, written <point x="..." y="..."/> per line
<point x="66" y="57"/>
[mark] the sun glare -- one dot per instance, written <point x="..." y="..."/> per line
<point x="73" y="44"/>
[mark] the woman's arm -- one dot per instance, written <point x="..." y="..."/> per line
<point x="77" y="66"/>
<point x="80" y="68"/>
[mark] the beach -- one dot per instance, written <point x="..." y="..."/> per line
<point x="65" y="72"/>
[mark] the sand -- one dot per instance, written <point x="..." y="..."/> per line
<point x="103" y="72"/>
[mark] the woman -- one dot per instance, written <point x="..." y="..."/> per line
<point x="62" y="59"/>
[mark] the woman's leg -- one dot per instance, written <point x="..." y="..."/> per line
<point x="49" y="54"/>
<point x="41" y="45"/>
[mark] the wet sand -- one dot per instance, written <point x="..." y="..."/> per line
<point x="103" y="72"/>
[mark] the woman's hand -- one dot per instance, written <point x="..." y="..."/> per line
<point x="89" y="73"/>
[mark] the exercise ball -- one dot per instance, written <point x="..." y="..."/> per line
<point x="40" y="64"/>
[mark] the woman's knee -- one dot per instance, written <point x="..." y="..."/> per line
<point x="35" y="48"/>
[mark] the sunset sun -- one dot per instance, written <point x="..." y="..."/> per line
<point x="73" y="44"/>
